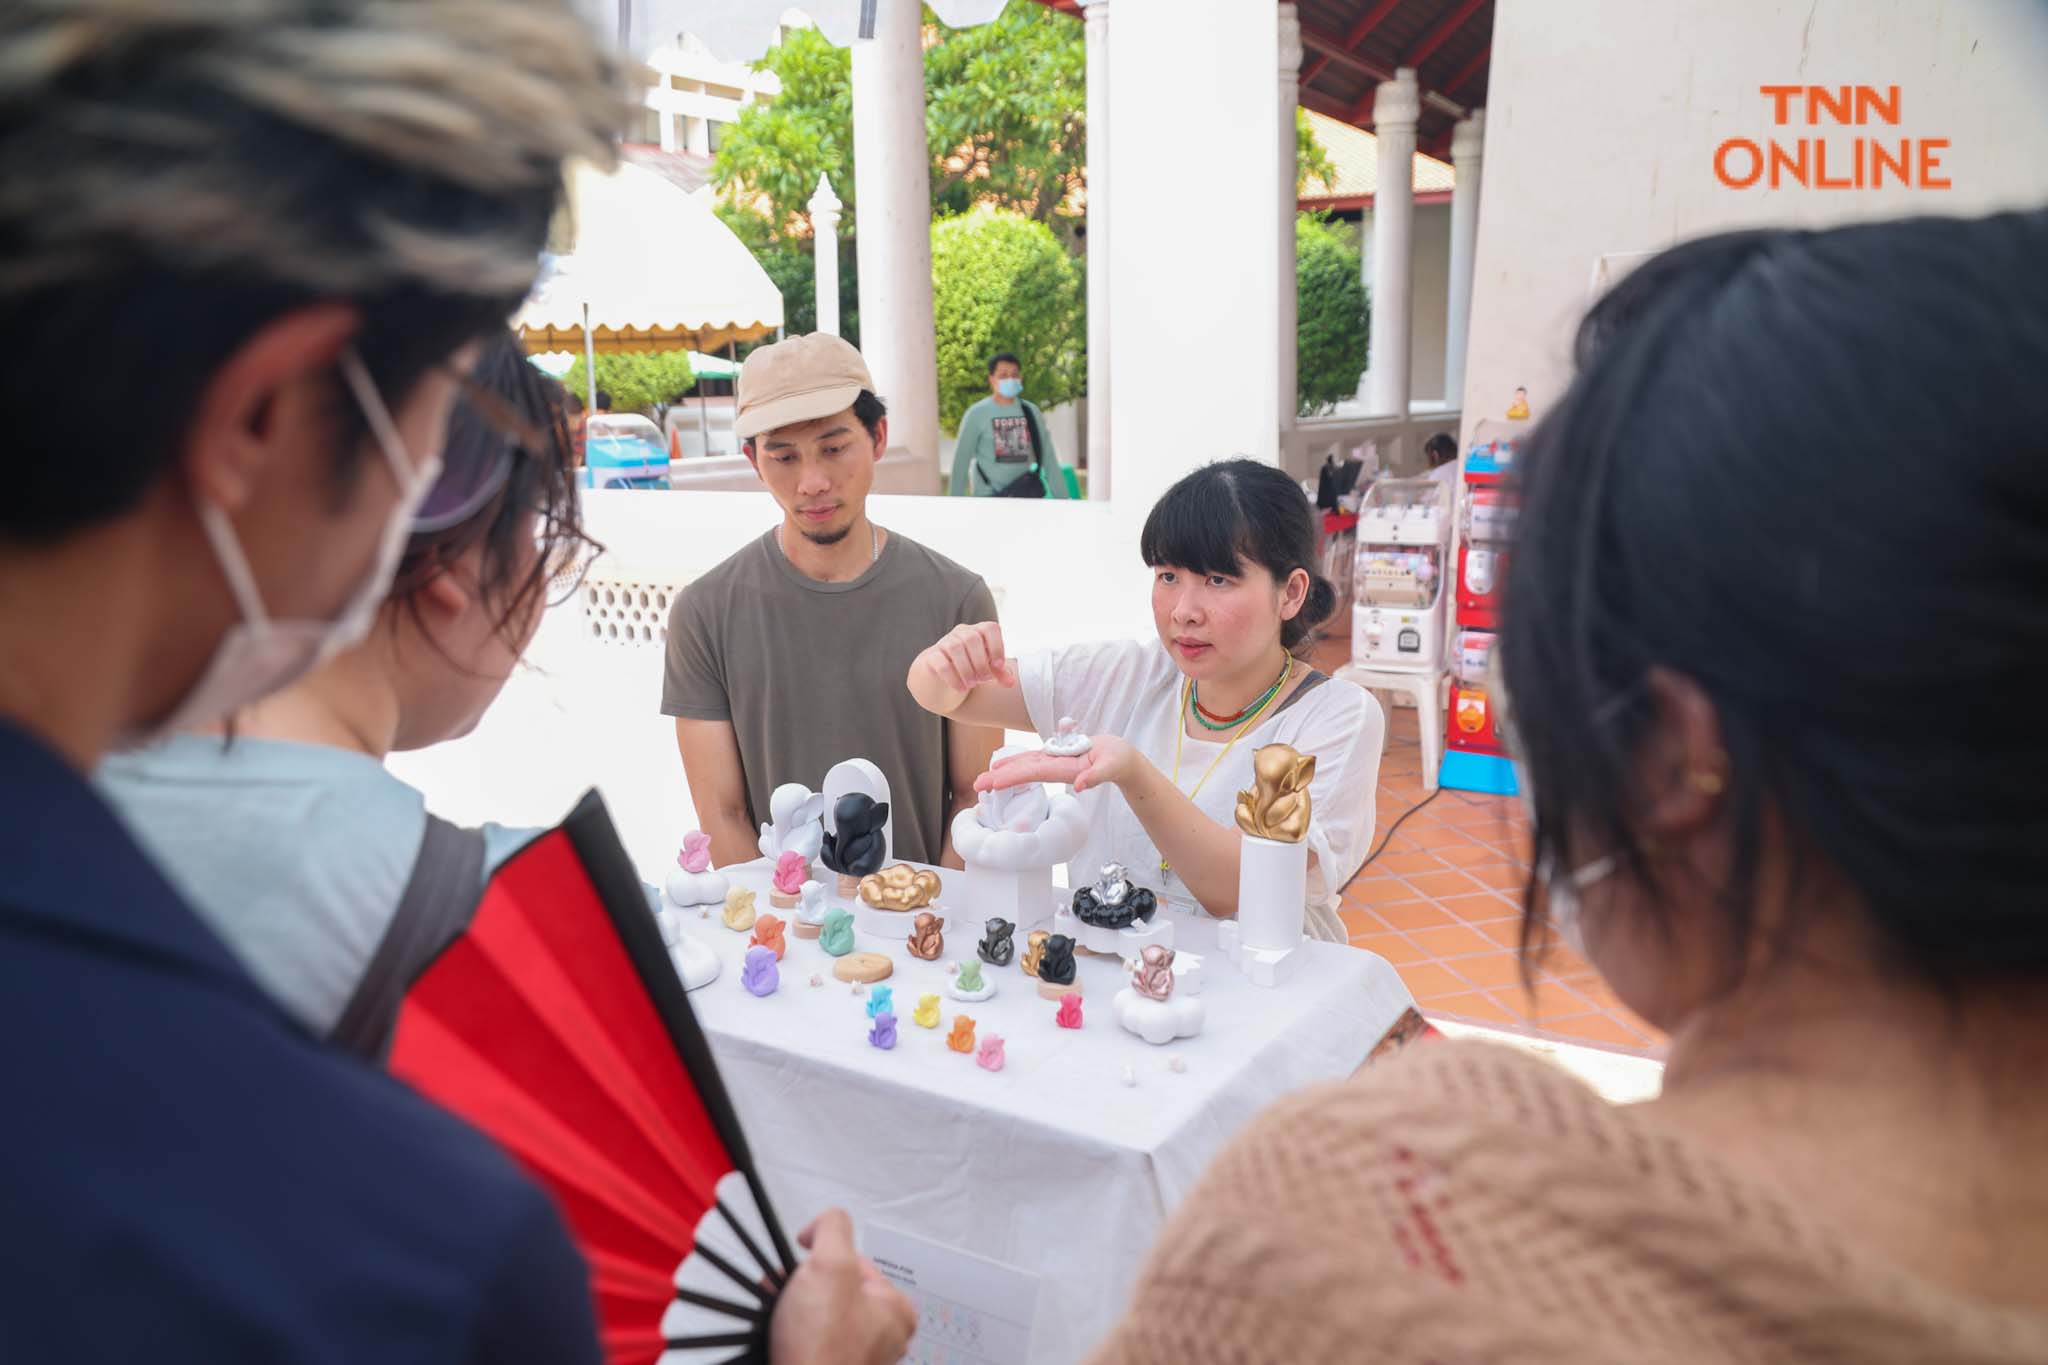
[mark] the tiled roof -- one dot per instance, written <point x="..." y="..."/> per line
<point x="1355" y="155"/>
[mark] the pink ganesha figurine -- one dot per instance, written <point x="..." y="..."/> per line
<point x="791" y="872"/>
<point x="1153" y="977"/>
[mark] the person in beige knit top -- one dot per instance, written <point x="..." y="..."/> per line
<point x="1777" y="617"/>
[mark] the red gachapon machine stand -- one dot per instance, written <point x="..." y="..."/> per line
<point x="1475" y="758"/>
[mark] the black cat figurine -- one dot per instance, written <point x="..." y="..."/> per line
<point x="996" y="947"/>
<point x="856" y="845"/>
<point x="1056" y="966"/>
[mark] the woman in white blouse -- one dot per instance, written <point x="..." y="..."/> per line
<point x="1174" y="721"/>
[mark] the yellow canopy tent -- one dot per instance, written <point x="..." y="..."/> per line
<point x="644" y="266"/>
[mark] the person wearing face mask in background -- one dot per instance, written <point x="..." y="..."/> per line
<point x="283" y="231"/>
<point x="1005" y="448"/>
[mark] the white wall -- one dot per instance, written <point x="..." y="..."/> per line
<point x="1193" y="258"/>
<point x="1603" y="115"/>
<point x="1430" y="268"/>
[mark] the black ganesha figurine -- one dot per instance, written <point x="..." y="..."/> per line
<point x="856" y="846"/>
<point x="1056" y="965"/>
<point x="1113" y="903"/>
<point x="996" y="947"/>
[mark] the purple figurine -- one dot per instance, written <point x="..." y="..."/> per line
<point x="760" y="975"/>
<point x="883" y="1034"/>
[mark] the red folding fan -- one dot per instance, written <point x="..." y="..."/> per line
<point x="556" y="1023"/>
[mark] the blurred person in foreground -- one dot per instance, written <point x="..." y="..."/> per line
<point x="1778" y="725"/>
<point x="285" y="225"/>
<point x="322" y="871"/>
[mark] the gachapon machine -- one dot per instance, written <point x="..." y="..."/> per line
<point x="1398" y="584"/>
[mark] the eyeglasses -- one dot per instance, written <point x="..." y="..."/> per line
<point x="466" y="486"/>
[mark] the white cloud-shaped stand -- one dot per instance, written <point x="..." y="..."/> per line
<point x="1057" y="839"/>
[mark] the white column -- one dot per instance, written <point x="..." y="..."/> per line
<point x="1289" y="72"/>
<point x="1365" y="231"/>
<point x="893" y="213"/>
<point x="697" y="135"/>
<point x="1468" y="141"/>
<point x="825" y="207"/>
<point x="1097" y="23"/>
<point x="1395" y="107"/>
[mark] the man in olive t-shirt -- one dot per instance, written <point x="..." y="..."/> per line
<point x="791" y="655"/>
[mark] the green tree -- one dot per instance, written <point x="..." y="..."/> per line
<point x="1311" y="159"/>
<point x="1004" y="122"/>
<point x="638" y="381"/>
<point x="1002" y="282"/>
<point x="1333" y="320"/>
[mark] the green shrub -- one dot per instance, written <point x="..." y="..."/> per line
<point x="1333" y="319"/>
<point x="638" y="382"/>
<point x="1002" y="282"/>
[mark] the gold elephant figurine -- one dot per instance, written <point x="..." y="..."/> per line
<point x="1277" y="806"/>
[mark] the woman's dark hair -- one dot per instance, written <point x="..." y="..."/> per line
<point x="507" y="406"/>
<point x="1440" y="449"/>
<point x="1808" y="471"/>
<point x="1237" y="512"/>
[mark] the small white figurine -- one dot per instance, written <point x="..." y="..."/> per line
<point x="797" y="823"/>
<point x="812" y="903"/>
<point x="695" y="963"/>
<point x="1068" y="741"/>
<point x="693" y="882"/>
<point x="1130" y="1076"/>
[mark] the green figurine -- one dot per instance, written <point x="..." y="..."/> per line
<point x="837" y="938"/>
<point x="968" y="983"/>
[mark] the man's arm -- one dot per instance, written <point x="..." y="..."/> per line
<point x="718" y="789"/>
<point x="968" y="751"/>
<point x="1049" y="457"/>
<point x="964" y="448"/>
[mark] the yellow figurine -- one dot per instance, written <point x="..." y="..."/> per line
<point x="1277" y="806"/>
<point x="739" y="909"/>
<point x="1034" y="949"/>
<point x="1518" y="411"/>
<point x="927" y="1013"/>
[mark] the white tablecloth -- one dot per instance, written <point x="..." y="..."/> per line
<point x="1052" y="1164"/>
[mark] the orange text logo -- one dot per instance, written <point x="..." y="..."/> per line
<point x="1825" y="159"/>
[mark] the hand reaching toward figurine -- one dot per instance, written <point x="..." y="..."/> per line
<point x="838" y="1307"/>
<point x="963" y="659"/>
<point x="1109" y="760"/>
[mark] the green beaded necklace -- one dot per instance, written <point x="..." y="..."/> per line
<point x="1257" y="704"/>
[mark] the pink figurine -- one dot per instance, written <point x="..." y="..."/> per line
<point x="1153" y="976"/>
<point x="696" y="854"/>
<point x="1070" y="1011"/>
<point x="990" y="1058"/>
<point x="791" y="872"/>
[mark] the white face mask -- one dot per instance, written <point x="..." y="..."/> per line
<point x="259" y="655"/>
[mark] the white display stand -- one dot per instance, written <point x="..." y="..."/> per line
<point x="859" y="775"/>
<point x="1124" y="943"/>
<point x="1266" y="939"/>
<point x="1009" y="872"/>
<point x="894" y="925"/>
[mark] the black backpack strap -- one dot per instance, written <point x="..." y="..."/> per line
<point x="439" y="900"/>
<point x="1316" y="678"/>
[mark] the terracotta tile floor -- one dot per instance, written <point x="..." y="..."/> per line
<point x="1442" y="903"/>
